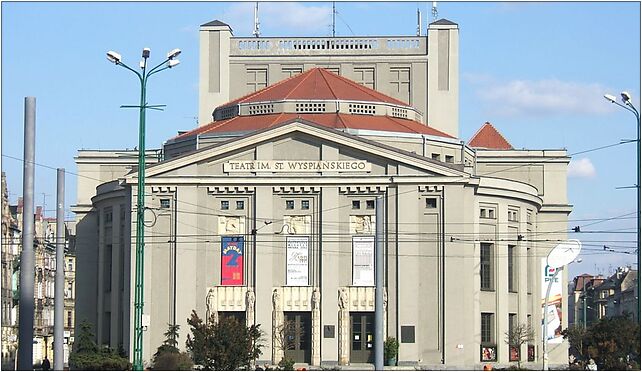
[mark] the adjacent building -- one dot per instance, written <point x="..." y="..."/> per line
<point x="44" y="283"/>
<point x="266" y="211"/>
<point x="595" y="298"/>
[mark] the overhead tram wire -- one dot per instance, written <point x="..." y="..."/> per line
<point x="348" y="205"/>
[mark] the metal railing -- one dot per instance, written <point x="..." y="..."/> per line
<point x="402" y="45"/>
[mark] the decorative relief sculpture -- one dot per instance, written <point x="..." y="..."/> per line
<point x="250" y="299"/>
<point x="343" y="298"/>
<point x="316" y="299"/>
<point x="212" y="308"/>
<point x="344" y="322"/>
<point x="362" y="224"/>
<point x="298" y="224"/>
<point x="316" y="327"/>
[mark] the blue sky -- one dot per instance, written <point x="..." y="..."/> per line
<point x="537" y="71"/>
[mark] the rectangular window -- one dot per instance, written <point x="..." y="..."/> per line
<point x="482" y="213"/>
<point x="400" y="83"/>
<point x="512" y="287"/>
<point x="365" y="76"/>
<point x="289" y="204"/>
<point x="529" y="280"/>
<point x="370" y="204"/>
<point x="450" y="159"/>
<point x="487" y="320"/>
<point x="512" y="322"/>
<point x="332" y="69"/>
<point x="69" y="315"/>
<point x="108" y="215"/>
<point x="436" y="157"/>
<point x="256" y="79"/>
<point x="431" y="203"/>
<point x="164" y="203"/>
<point x="486" y="266"/>
<point x="225" y="205"/>
<point x="305" y="204"/>
<point x="290" y="71"/>
<point x="356" y="204"/>
<point x="240" y="204"/>
<point x="513" y="350"/>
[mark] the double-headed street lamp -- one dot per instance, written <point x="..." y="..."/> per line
<point x="169" y="62"/>
<point x="628" y="105"/>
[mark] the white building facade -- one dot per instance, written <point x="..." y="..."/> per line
<point x="267" y="212"/>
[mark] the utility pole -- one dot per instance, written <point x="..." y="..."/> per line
<point x="378" y="337"/>
<point x="334" y="12"/>
<point x="59" y="297"/>
<point x="25" y="327"/>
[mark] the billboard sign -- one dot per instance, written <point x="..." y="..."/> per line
<point x="232" y="254"/>
<point x="554" y="328"/>
<point x="297" y="260"/>
<point x="363" y="260"/>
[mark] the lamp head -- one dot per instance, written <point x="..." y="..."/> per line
<point x="146" y="52"/>
<point x="173" y="53"/>
<point x="626" y="97"/>
<point x="172" y="63"/>
<point x="610" y="97"/>
<point x="113" y="57"/>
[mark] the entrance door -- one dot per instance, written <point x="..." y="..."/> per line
<point x="238" y="315"/>
<point x="298" y="334"/>
<point x="362" y="331"/>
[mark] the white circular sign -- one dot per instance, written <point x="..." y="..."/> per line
<point x="564" y="253"/>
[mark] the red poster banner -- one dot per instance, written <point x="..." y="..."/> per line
<point x="232" y="260"/>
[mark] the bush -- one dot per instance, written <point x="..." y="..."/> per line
<point x="390" y="348"/>
<point x="173" y="362"/>
<point x="226" y="345"/>
<point x="286" y="364"/>
<point x="86" y="355"/>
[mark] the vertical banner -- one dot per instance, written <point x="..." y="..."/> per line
<point x="232" y="260"/>
<point x="363" y="260"/>
<point x="554" y="328"/>
<point x="297" y="248"/>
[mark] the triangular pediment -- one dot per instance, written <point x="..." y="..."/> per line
<point x="301" y="144"/>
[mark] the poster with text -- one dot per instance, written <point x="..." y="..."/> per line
<point x="297" y="248"/>
<point x="554" y="328"/>
<point x="232" y="260"/>
<point x="363" y="260"/>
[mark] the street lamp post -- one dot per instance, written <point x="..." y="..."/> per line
<point x="628" y="105"/>
<point x="169" y="62"/>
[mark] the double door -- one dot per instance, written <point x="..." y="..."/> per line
<point x="362" y="342"/>
<point x="298" y="334"/>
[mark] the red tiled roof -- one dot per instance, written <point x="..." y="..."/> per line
<point x="330" y="120"/>
<point x="316" y="83"/>
<point x="488" y="137"/>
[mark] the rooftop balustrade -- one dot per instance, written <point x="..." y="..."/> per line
<point x="402" y="45"/>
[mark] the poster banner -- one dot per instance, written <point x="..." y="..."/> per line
<point x="554" y="328"/>
<point x="363" y="260"/>
<point x="297" y="248"/>
<point x="232" y="260"/>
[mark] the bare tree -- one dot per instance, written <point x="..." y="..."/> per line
<point x="287" y="333"/>
<point x="518" y="336"/>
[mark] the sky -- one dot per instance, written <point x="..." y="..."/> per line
<point x="537" y="71"/>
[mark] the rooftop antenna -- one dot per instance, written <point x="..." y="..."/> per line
<point x="256" y="31"/>
<point x="434" y="11"/>
<point x="334" y="12"/>
<point x="418" y="22"/>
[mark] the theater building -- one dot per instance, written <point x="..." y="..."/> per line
<point x="266" y="211"/>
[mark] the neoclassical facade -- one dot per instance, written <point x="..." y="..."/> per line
<point x="267" y="213"/>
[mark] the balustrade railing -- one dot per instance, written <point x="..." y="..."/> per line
<point x="332" y="46"/>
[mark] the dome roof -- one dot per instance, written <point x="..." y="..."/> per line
<point x="319" y="96"/>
